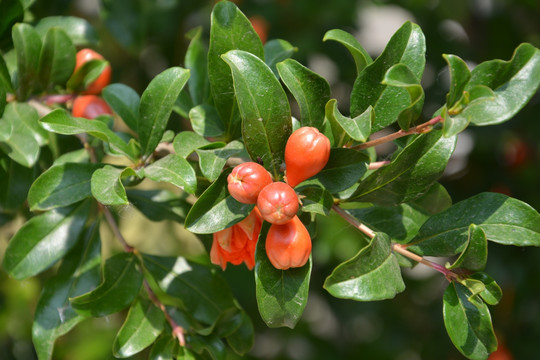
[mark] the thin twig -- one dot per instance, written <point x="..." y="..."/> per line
<point x="449" y="274"/>
<point x="420" y="129"/>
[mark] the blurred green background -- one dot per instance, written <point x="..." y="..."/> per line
<point x="142" y="37"/>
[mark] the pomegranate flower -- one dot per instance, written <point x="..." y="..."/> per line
<point x="236" y="244"/>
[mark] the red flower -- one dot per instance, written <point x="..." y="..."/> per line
<point x="236" y="244"/>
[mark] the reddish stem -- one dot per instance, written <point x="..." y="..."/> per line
<point x="420" y="129"/>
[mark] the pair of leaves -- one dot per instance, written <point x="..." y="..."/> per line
<point x="503" y="219"/>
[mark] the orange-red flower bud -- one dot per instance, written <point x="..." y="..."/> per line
<point x="278" y="203"/>
<point x="288" y="245"/>
<point x="246" y="181"/>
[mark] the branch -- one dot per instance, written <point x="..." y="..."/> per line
<point x="449" y="274"/>
<point x="420" y="129"/>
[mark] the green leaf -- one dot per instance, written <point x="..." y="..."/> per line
<point x="474" y="257"/>
<point x="435" y="200"/>
<point x="410" y="174"/>
<point x="211" y="346"/>
<point x="59" y="121"/>
<point x="27" y="45"/>
<point x="345" y="128"/>
<point x="205" y="121"/>
<point x="120" y="285"/>
<point x="359" y="54"/>
<point x="203" y="292"/>
<point x="15" y="180"/>
<point x="344" y="168"/>
<point x="75" y="156"/>
<point x="310" y="90"/>
<point x="492" y="292"/>
<point x="215" y="209"/>
<point x="459" y="77"/>
<point x="504" y="220"/>
<point x="158" y="205"/>
<point x="106" y="185"/>
<point x="360" y="277"/>
<point x="406" y="46"/>
<point x="156" y="106"/>
<point x="12" y="12"/>
<point x="57" y="59"/>
<point x="61" y="185"/>
<point x="165" y="348"/>
<point x="468" y="323"/>
<point x="197" y="63"/>
<point x="230" y="30"/>
<point x="124" y="101"/>
<point x="5" y="78"/>
<point x="315" y="199"/>
<point x="79" y="30"/>
<point x="275" y="51"/>
<point x="513" y="83"/>
<point x="187" y="142"/>
<point x="78" y="274"/>
<point x="400" y="222"/>
<point x="142" y="326"/>
<point x="44" y="239"/>
<point x="401" y="76"/>
<point x="241" y="340"/>
<point x="26" y="135"/>
<point x="212" y="161"/>
<point x="86" y="74"/>
<point x="281" y="294"/>
<point x="173" y="169"/>
<point x="264" y="108"/>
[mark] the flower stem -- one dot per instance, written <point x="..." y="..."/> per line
<point x="420" y="129"/>
<point x="398" y="248"/>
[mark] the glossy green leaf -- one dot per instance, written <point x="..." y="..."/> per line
<point x="345" y="128"/>
<point x="310" y="90"/>
<point x="459" y="77"/>
<point x="120" y="285"/>
<point x="79" y="30"/>
<point x="61" y="185"/>
<point x="78" y="274"/>
<point x="360" y="277"/>
<point x="212" y="161"/>
<point x="315" y="199"/>
<point x="57" y="59"/>
<point x="474" y="257"/>
<point x="5" y="78"/>
<point x="124" y="101"/>
<point x="281" y="295"/>
<point x="359" y="54"/>
<point x="407" y="46"/>
<point x="27" y="45"/>
<point x="503" y="219"/>
<point x="243" y="338"/>
<point x="44" y="239"/>
<point x="410" y="174"/>
<point x="158" y="205"/>
<point x="156" y="106"/>
<point x="215" y="209"/>
<point x="512" y="82"/>
<point x="75" y="156"/>
<point x="86" y="74"/>
<point x="173" y="169"/>
<point x="106" y="185"/>
<point x="5" y="129"/>
<point x="344" y="168"/>
<point x="203" y="292"/>
<point x="230" y="30"/>
<point x="59" y="121"/>
<point x="15" y="180"/>
<point x="435" y="200"/>
<point x="165" y="348"/>
<point x="143" y="324"/>
<point x="187" y="142"/>
<point x="12" y="12"/>
<point x="211" y="346"/>
<point x="264" y="108"/>
<point x="205" y="121"/>
<point x="400" y="222"/>
<point x="468" y="323"/>
<point x="492" y="292"/>
<point x="197" y="63"/>
<point x="401" y="76"/>
<point x="275" y="51"/>
<point x="26" y="135"/>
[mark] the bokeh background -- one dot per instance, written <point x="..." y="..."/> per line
<point x="142" y="37"/>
